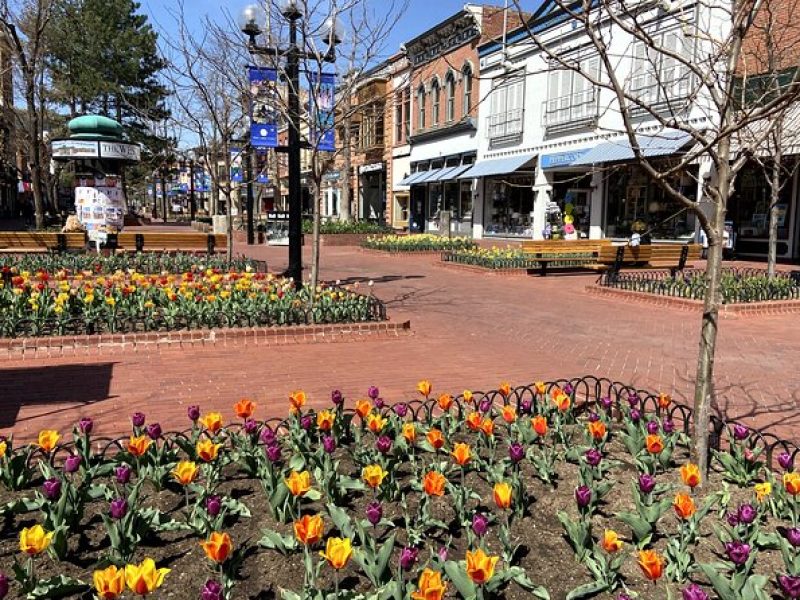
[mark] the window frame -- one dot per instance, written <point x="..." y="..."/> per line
<point x="507" y="107"/>
<point x="467" y="74"/>
<point x="421" y="108"/>
<point x="450" y="97"/>
<point x="436" y="102"/>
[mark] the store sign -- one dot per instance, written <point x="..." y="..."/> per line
<point x="444" y="45"/>
<point x="370" y="168"/>
<point x="75" y="149"/>
<point x="561" y="159"/>
<point x="120" y="151"/>
<point x="332" y="176"/>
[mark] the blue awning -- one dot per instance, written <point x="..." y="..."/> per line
<point x="412" y="178"/>
<point x="448" y="173"/>
<point x="430" y="176"/>
<point x="662" y="144"/>
<point x="501" y="166"/>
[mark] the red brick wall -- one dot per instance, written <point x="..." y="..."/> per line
<point x="773" y="39"/>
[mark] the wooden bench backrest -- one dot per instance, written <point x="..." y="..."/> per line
<point x="575" y="246"/>
<point x="673" y="252"/>
<point x="40" y="239"/>
<point x="630" y="254"/>
<point x="170" y="240"/>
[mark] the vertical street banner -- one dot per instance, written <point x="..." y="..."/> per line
<point x="264" y="107"/>
<point x="262" y="167"/>
<point x="237" y="175"/>
<point x="323" y="91"/>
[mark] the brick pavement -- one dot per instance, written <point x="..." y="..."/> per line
<point x="469" y="330"/>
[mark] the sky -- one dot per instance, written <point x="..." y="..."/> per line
<point x="420" y="16"/>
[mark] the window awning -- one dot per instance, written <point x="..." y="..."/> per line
<point x="501" y="166"/>
<point x="449" y="173"/>
<point x="662" y="144"/>
<point x="429" y="176"/>
<point x="412" y="178"/>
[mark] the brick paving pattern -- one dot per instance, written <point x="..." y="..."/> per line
<point x="468" y="330"/>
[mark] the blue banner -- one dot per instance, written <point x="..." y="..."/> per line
<point x="263" y="107"/>
<point x="323" y="89"/>
<point x="237" y="175"/>
<point x="262" y="167"/>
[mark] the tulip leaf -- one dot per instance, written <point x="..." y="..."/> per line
<point x="273" y="540"/>
<point x="754" y="588"/>
<point x="235" y="507"/>
<point x="341" y="520"/>
<point x="59" y="586"/>
<point x="587" y="590"/>
<point x="720" y="584"/>
<point x="457" y="574"/>
<point x="297" y="463"/>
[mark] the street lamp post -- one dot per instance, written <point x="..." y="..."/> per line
<point x="251" y="19"/>
<point x="248" y="162"/>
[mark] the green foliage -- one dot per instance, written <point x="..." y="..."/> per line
<point x="357" y="227"/>
<point x="417" y="243"/>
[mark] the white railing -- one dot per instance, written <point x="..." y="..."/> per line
<point x="574" y="108"/>
<point x="507" y="124"/>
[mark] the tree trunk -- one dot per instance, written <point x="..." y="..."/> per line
<point x="775" y="192"/>
<point x="316" y="238"/>
<point x="344" y="179"/>
<point x="34" y="150"/>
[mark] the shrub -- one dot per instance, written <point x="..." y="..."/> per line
<point x="417" y="243"/>
<point x="334" y="227"/>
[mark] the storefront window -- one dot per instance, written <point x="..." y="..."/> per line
<point x="401" y="208"/>
<point x="572" y="193"/>
<point x="451" y="198"/>
<point x="434" y="200"/>
<point x="636" y="204"/>
<point x="509" y="207"/>
<point x="466" y="201"/>
<point x="749" y="207"/>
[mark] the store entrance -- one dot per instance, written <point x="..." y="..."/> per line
<point x="572" y="193"/>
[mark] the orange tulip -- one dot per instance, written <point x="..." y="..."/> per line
<point x="445" y="401"/>
<point x="684" y="506"/>
<point x="502" y="495"/>
<point x="218" y="547"/>
<point x="562" y="401"/>
<point x="409" y="432"/>
<point x="431" y="586"/>
<point x="185" y="472"/>
<point x="109" y="583"/>
<point x="435" y="438"/>
<point x="325" y="419"/>
<point x="212" y="422"/>
<point x="244" y="408"/>
<point x="308" y="529"/>
<point x="474" y="421"/>
<point x="48" y="439"/>
<point x="480" y="567"/>
<point x="297" y="400"/>
<point x="555" y="391"/>
<point x="651" y="563"/>
<point x="690" y="473"/>
<point x="207" y="450"/>
<point x="597" y="429"/>
<point x="509" y="413"/>
<point x="664" y="401"/>
<point x="298" y="483"/>
<point x="654" y="444"/>
<point x="375" y="422"/>
<point x="611" y="542"/>
<point x="504" y="389"/>
<point x="424" y="387"/>
<point x="3" y="448"/>
<point x="540" y="387"/>
<point x="433" y="483"/>
<point x="461" y="454"/>
<point x="487" y="427"/>
<point x="137" y="446"/>
<point x="539" y="424"/>
<point x="373" y="475"/>
<point x="363" y="408"/>
<point x="791" y="481"/>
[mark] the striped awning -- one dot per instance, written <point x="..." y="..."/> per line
<point x="412" y="178"/>
<point x="662" y="144"/>
<point x="501" y="166"/>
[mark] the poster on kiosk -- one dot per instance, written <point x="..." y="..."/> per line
<point x="100" y="206"/>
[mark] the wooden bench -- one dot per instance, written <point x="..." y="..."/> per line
<point x="167" y="241"/>
<point x="648" y="256"/>
<point x="549" y="251"/>
<point x="40" y="241"/>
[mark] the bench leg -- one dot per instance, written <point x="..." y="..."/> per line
<point x="543" y="269"/>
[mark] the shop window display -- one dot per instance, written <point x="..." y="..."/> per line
<point x="509" y="207"/>
<point x="749" y="207"/>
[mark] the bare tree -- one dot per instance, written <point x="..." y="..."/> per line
<point x="24" y="25"/>
<point x="692" y="87"/>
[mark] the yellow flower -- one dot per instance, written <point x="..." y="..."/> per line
<point x="424" y="387"/>
<point x="374" y="475"/>
<point x="763" y="490"/>
<point x="502" y="494"/>
<point x="48" y="439"/>
<point x="480" y="567"/>
<point x="212" y="422"/>
<point x="3" y="448"/>
<point x="337" y="552"/>
<point x="431" y="586"/>
<point x="611" y="542"/>
<point x="109" y="583"/>
<point x="298" y="483"/>
<point x="207" y="450"/>
<point x="308" y="529"/>
<point x="185" y="472"/>
<point x="34" y="540"/>
<point x="375" y="422"/>
<point x="144" y="578"/>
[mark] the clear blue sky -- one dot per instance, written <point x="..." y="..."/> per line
<point x="420" y="16"/>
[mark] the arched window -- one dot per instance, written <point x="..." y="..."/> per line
<point x="450" y="92"/>
<point x="421" y="107"/>
<point x="466" y="72"/>
<point x="436" y="93"/>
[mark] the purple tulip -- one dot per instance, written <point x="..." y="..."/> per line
<point x="119" y="508"/>
<point x="593" y="417"/>
<point x="624" y="596"/>
<point x="123" y="474"/>
<point x="306" y="422"/>
<point x="373" y="392"/>
<point x="738" y="552"/>
<point x="52" y="489"/>
<point x="593" y="457"/>
<point x="647" y="483"/>
<point x="740" y="432"/>
<point x="384" y="444"/>
<point x="583" y="496"/>
<point x="329" y="444"/>
<point x="337" y="398"/>
<point x="793" y="536"/>
<point x="213" y="505"/>
<point x="408" y="558"/>
<point x="86" y="425"/>
<point x="5" y="586"/>
<point x="790" y="586"/>
<point x="732" y="519"/>
<point x="374" y="512"/>
<point x="442" y="552"/>
<point x="747" y="514"/>
<point x="525" y="406"/>
<point x="268" y="436"/>
<point x="633" y="400"/>
<point x="401" y="410"/>
<point x="193" y="412"/>
<point x="668" y="425"/>
<point x="378" y="403"/>
<point x="694" y="592"/>
<point x="480" y="524"/>
<point x="606" y="402"/>
<point x="212" y="590"/>
<point x="274" y="453"/>
<point x="154" y="431"/>
<point x="568" y="389"/>
<point x="786" y="461"/>
<point x="72" y="463"/>
<point x="652" y="427"/>
<point x="137" y="419"/>
<point x="250" y="426"/>
<point x="485" y="405"/>
<point x="636" y="415"/>
<point x="516" y="452"/>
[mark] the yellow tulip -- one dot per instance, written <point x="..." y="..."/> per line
<point x="337" y="552"/>
<point x="48" y="439"/>
<point x="373" y="475"/>
<point x="185" y="472"/>
<point x="207" y="450"/>
<point x="34" y="540"/>
<point x="298" y="483"/>
<point x="480" y="567"/>
<point x="144" y="578"/>
<point x="109" y="583"/>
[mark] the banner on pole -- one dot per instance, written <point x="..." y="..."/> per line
<point x="237" y="176"/>
<point x="323" y="91"/>
<point x="262" y="167"/>
<point x="263" y="107"/>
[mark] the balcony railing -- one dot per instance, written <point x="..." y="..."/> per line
<point x="574" y="110"/>
<point x="507" y="125"/>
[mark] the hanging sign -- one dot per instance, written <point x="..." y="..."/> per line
<point x="237" y="176"/>
<point x="263" y="107"/>
<point x="323" y="90"/>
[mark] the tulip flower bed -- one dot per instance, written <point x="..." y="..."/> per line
<point x="509" y="258"/>
<point x="423" y="242"/>
<point x="520" y="493"/>
<point x="65" y="302"/>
